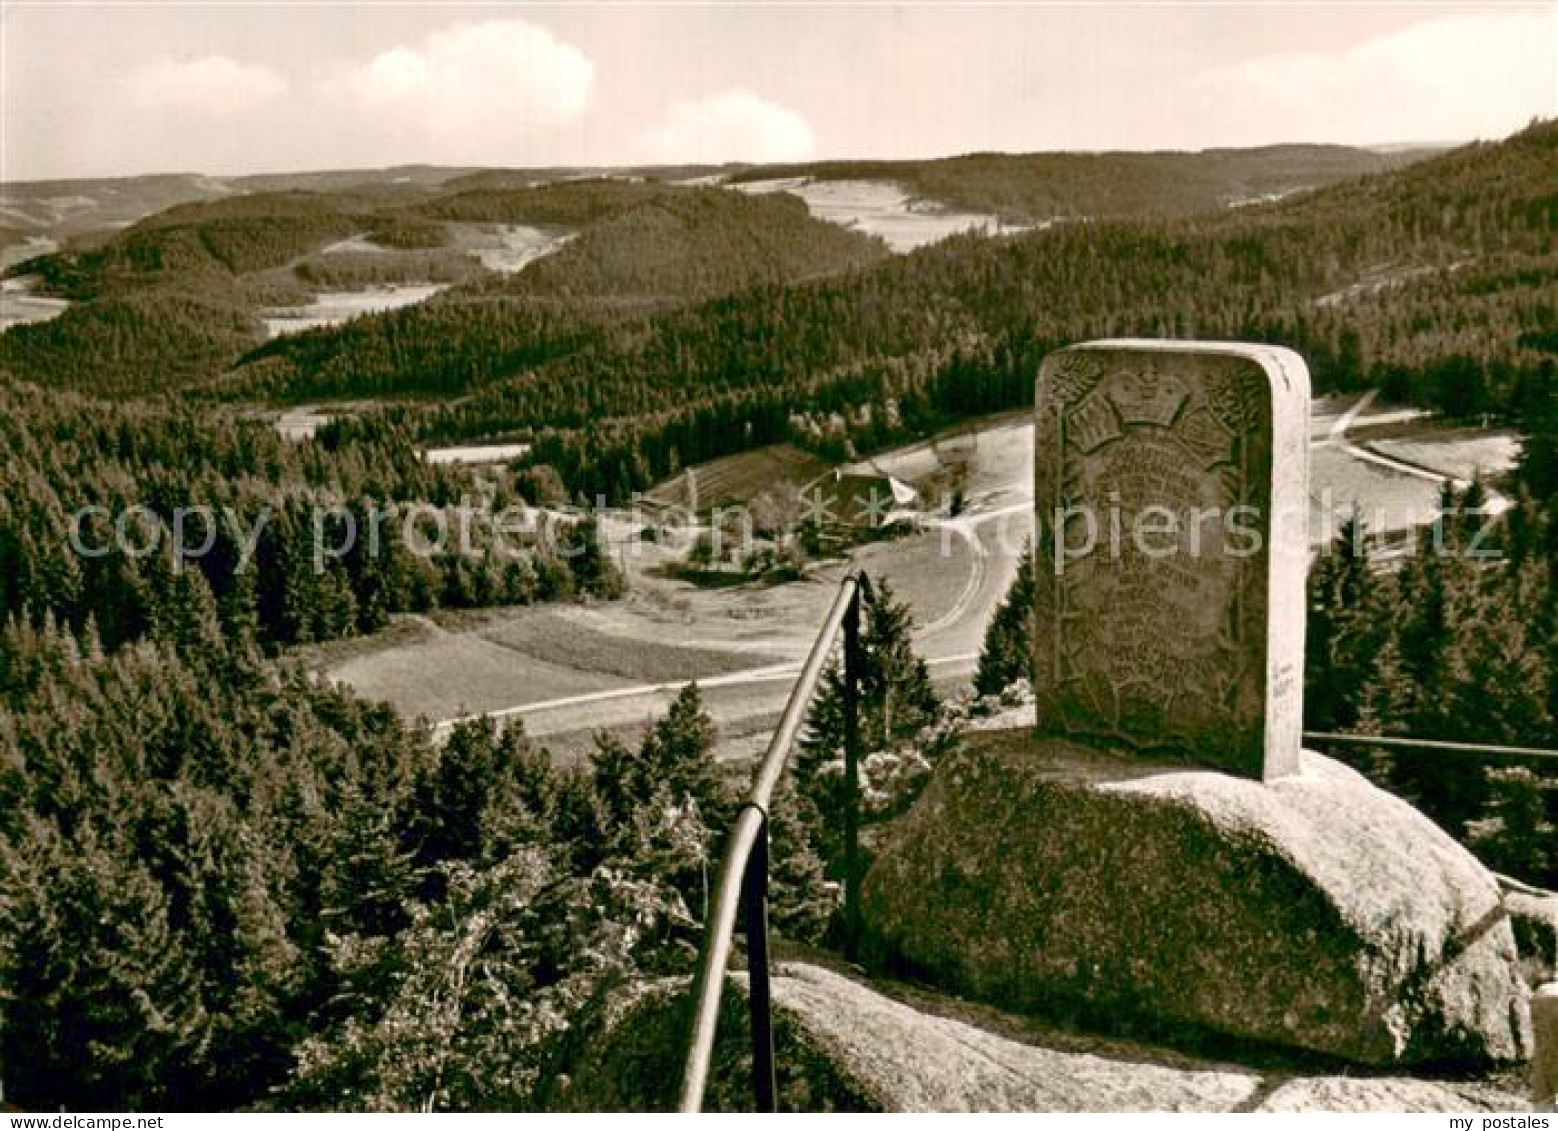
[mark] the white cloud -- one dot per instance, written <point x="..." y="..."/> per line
<point x="1447" y="78"/>
<point x="212" y="85"/>
<point x="478" y="83"/>
<point x="733" y="125"/>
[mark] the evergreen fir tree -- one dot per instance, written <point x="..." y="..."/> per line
<point x="897" y="703"/>
<point x="1515" y="833"/>
<point x="1007" y="654"/>
<point x="1343" y="630"/>
<point x="678" y="756"/>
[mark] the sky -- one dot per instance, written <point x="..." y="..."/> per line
<point x="229" y="88"/>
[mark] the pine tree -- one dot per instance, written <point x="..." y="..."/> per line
<point x="801" y="900"/>
<point x="479" y="774"/>
<point x="1421" y="623"/>
<point x="897" y="699"/>
<point x="1007" y="655"/>
<point x="897" y="703"/>
<point x="1343" y="630"/>
<point x="237" y="608"/>
<point x="593" y="570"/>
<point x="1514" y="835"/>
<point x="678" y="756"/>
<point x="620" y="781"/>
<point x="99" y="999"/>
<point x="191" y="611"/>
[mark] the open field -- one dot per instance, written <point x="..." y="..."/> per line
<point x="29" y="248"/>
<point x="1388" y="499"/>
<point x="881" y="208"/>
<point x="18" y="304"/>
<point x="301" y="422"/>
<point x="334" y="307"/>
<point x="476" y="453"/>
<point x="1461" y="453"/>
<point x="739" y="478"/>
<point x="1390" y="493"/>
<point x="1357" y="414"/>
<point x="356" y="245"/>
<point x="569" y="639"/>
<point x="995" y="458"/>
<point x="501" y="248"/>
<point x="929" y="570"/>
<point x="505" y="248"/>
<point x="447" y="674"/>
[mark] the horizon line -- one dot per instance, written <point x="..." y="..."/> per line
<point x="1386" y="148"/>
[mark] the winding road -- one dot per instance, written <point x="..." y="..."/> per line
<point x="745" y="701"/>
<point x="745" y="704"/>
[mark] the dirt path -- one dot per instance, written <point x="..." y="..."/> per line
<point x="976" y="575"/>
<point x="953" y="591"/>
<point x="741" y="701"/>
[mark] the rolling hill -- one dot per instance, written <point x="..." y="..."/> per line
<point x="678" y="309"/>
<point x="639" y="248"/>
<point x="1034" y="187"/>
<point x="1436" y="282"/>
<point x="66" y="210"/>
<point x="1025" y="187"/>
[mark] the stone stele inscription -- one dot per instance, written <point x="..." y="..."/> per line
<point x="1173" y="504"/>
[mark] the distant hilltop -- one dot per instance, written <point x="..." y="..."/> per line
<point x="1020" y="188"/>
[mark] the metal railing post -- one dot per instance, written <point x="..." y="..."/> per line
<point x="754" y="896"/>
<point x="853" y="663"/>
<point x="1544" y="1054"/>
<point x="749" y="835"/>
<point x="1433" y="746"/>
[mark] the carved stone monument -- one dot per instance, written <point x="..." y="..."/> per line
<point x="1087" y="871"/>
<point x="1173" y="501"/>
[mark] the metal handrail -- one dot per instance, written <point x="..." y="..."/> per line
<point x="1434" y="745"/>
<point x="744" y="870"/>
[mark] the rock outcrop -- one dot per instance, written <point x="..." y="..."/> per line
<point x="844" y="1046"/>
<point x="1315" y="912"/>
